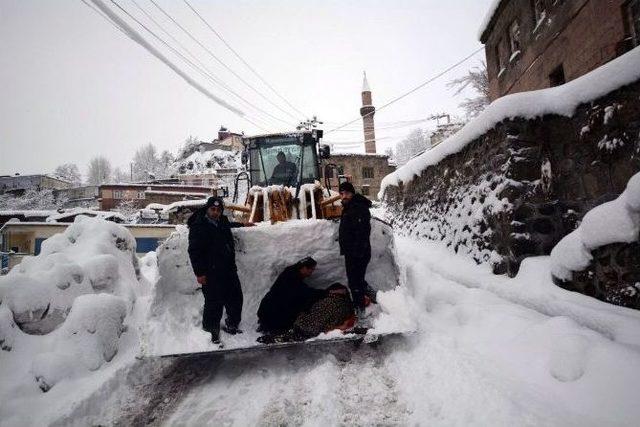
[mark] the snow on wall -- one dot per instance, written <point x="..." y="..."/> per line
<point x="62" y="311"/>
<point x="562" y="100"/>
<point x="491" y="10"/>
<point x="174" y="323"/>
<point x="612" y="222"/>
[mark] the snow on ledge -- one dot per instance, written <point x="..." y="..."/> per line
<point x="561" y="100"/>
<point x="617" y="221"/>
<point x="493" y="8"/>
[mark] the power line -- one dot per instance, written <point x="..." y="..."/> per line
<point x="204" y="69"/>
<point x="242" y="60"/>
<point x="192" y="37"/>
<point x="138" y="38"/>
<point x="203" y="72"/>
<point x="420" y="86"/>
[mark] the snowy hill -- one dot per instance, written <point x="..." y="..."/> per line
<point x="201" y="162"/>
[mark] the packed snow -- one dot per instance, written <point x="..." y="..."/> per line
<point x="174" y="324"/>
<point x="561" y="100"/>
<point x="485" y="349"/>
<point x="617" y="221"/>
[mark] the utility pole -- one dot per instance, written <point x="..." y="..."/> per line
<point x="309" y="124"/>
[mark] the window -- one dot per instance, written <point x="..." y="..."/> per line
<point x="556" y="78"/>
<point x="632" y="14"/>
<point x="514" y="39"/>
<point x="140" y="194"/>
<point x="118" y="194"/>
<point x="365" y="190"/>
<point x="367" y="172"/>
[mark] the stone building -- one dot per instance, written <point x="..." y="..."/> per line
<point x="18" y="184"/>
<point x="140" y="195"/>
<point x="365" y="171"/>
<point x="535" y="44"/>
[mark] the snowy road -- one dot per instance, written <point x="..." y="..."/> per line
<point x="489" y="351"/>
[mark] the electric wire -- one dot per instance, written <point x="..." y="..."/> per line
<point x="420" y="86"/>
<point x="199" y="43"/>
<point x="243" y="60"/>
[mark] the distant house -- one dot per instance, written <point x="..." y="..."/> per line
<point x="364" y="170"/>
<point x="535" y="44"/>
<point x="84" y="196"/>
<point x="140" y="195"/>
<point x="18" y="184"/>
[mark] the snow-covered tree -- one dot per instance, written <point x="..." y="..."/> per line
<point x="188" y="147"/>
<point x="148" y="163"/>
<point x="69" y="172"/>
<point x="99" y="171"/>
<point x="478" y="79"/>
<point x="415" y="143"/>
<point x="32" y="200"/>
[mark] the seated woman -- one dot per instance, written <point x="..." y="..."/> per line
<point x="288" y="297"/>
<point x="334" y="311"/>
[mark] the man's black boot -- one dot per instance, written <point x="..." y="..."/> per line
<point x="231" y="330"/>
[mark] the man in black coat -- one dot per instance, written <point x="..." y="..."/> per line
<point x="355" y="228"/>
<point x="288" y="297"/>
<point x="213" y="258"/>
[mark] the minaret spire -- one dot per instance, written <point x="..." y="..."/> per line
<point x="367" y="112"/>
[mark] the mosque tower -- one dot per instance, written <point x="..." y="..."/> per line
<point x="367" y="111"/>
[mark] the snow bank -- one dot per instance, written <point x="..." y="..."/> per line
<point x="617" y="221"/>
<point x="262" y="253"/>
<point x="562" y="100"/>
<point x="86" y="340"/>
<point x="63" y="311"/>
<point x="91" y="255"/>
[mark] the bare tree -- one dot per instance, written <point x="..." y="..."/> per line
<point x="99" y="171"/>
<point x="478" y="79"/>
<point x="416" y="142"/>
<point x="146" y="163"/>
<point x="32" y="200"/>
<point x="69" y="172"/>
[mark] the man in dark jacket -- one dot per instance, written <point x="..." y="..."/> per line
<point x="288" y="297"/>
<point x="285" y="172"/>
<point x="213" y="259"/>
<point x="355" y="228"/>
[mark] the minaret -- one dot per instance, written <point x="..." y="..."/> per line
<point x="367" y="112"/>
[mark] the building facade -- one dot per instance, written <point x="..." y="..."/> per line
<point x="536" y="44"/>
<point x="141" y="195"/>
<point x="365" y="171"/>
<point x="20" y="183"/>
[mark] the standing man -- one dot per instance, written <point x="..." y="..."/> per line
<point x="355" y="228"/>
<point x="213" y="259"/>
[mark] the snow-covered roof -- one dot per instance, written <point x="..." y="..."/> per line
<point x="29" y="213"/>
<point x="488" y="17"/>
<point x="561" y="100"/>
<point x="176" y="193"/>
<point x="83" y="211"/>
<point x="184" y="204"/>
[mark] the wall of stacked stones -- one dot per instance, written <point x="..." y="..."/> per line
<point x="518" y="189"/>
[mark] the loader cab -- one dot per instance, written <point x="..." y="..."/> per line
<point x="285" y="159"/>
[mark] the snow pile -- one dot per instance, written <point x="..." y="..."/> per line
<point x="62" y="312"/>
<point x="561" y="100"/>
<point x="174" y="323"/>
<point x="90" y="256"/>
<point x="86" y="340"/>
<point x="617" y="221"/>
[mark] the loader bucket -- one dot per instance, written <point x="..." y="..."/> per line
<point x="262" y="252"/>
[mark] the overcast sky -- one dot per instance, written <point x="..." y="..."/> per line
<point x="72" y="86"/>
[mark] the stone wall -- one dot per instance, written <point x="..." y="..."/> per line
<point x="525" y="184"/>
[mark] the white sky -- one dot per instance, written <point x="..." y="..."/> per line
<point x="72" y="86"/>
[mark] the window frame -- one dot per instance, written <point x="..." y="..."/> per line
<point x="367" y="170"/>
